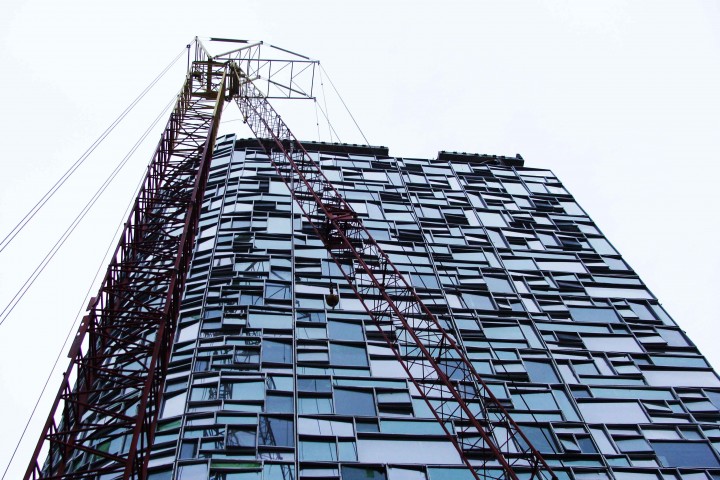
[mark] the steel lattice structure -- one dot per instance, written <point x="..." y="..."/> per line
<point x="490" y="443"/>
<point x="103" y="419"/>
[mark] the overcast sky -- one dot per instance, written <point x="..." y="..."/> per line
<point x="619" y="99"/>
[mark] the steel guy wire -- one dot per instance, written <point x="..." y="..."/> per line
<point x="68" y="173"/>
<point x="49" y="256"/>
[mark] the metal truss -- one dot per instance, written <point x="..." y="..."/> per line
<point x="103" y="418"/>
<point x="287" y="75"/>
<point x="489" y="442"/>
<point x="102" y="422"/>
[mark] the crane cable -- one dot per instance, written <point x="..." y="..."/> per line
<point x="100" y="269"/>
<point x="317" y="120"/>
<point x="330" y="128"/>
<point x="49" y="194"/>
<point x="49" y="256"/>
<point x="343" y="102"/>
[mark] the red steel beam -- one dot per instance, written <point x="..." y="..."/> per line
<point x="489" y="442"/>
<point x="104" y="415"/>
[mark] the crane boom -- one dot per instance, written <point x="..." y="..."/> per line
<point x="489" y="441"/>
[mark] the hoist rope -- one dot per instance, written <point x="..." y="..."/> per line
<point x="330" y="128"/>
<point x="317" y="120"/>
<point x="73" y="326"/>
<point x="51" y="253"/>
<point x="99" y="271"/>
<point x="344" y="104"/>
<point x="68" y="173"/>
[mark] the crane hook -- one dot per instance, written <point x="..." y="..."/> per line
<point x="332" y="299"/>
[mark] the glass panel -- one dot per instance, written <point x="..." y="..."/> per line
<point x="680" y="378"/>
<point x="541" y="438"/>
<point x="401" y="451"/>
<point x="174" y="405"/>
<point x="604" y="315"/>
<point x="358" y="473"/>
<point x="498" y="285"/>
<point x="192" y="472"/>
<point x="490" y="219"/>
<point x="541" y="372"/>
<point x="279" y="404"/>
<point x="412" y="427"/>
<point x="314" y="405"/>
<point x="613" y="412"/>
<point x="454" y="474"/>
<point x="348" y="355"/>
<point x="354" y="402"/>
<point x="276" y="352"/>
<point x="318" y="451"/>
<point x="314" y="384"/>
<point x="685" y="454"/>
<point x="396" y="473"/>
<point x="345" y="330"/>
<point x="333" y="428"/>
<point x="481" y="302"/>
<point x="241" y="438"/>
<point x="612" y="343"/>
<point x="277" y="432"/>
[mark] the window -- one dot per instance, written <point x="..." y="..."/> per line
<point x="345" y="330"/>
<point x="603" y="315"/>
<point x="397" y="473"/>
<point x="276" y="352"/>
<point x="279" y="403"/>
<point x="346" y="355"/>
<point x="277" y="432"/>
<point x="192" y="472"/>
<point x="314" y="384"/>
<point x="331" y="428"/>
<point x="613" y="412"/>
<point x="354" y="402"/>
<point x="541" y="438"/>
<point x="356" y="473"/>
<point x="314" y="405"/>
<point x="541" y="372"/>
<point x="318" y="451"/>
<point x="480" y="302"/>
<point x="402" y="451"/>
<point x="498" y="285"/>
<point x="241" y="438"/>
<point x="277" y="291"/>
<point x="685" y="454"/>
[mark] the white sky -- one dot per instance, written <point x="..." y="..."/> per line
<point x="619" y="99"/>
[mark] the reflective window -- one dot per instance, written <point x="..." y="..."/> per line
<point x="685" y="454"/>
<point x="354" y="402"/>
<point x="348" y="355"/>
<point x="277" y="432"/>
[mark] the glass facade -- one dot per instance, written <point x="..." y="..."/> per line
<point x="267" y="382"/>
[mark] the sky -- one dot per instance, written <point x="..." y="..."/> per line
<point x="619" y="99"/>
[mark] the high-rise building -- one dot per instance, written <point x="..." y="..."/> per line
<point x="268" y="381"/>
<point x="277" y="310"/>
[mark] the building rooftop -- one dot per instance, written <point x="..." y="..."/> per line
<point x="358" y="149"/>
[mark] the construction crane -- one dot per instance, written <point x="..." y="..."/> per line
<point x="102" y="422"/>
